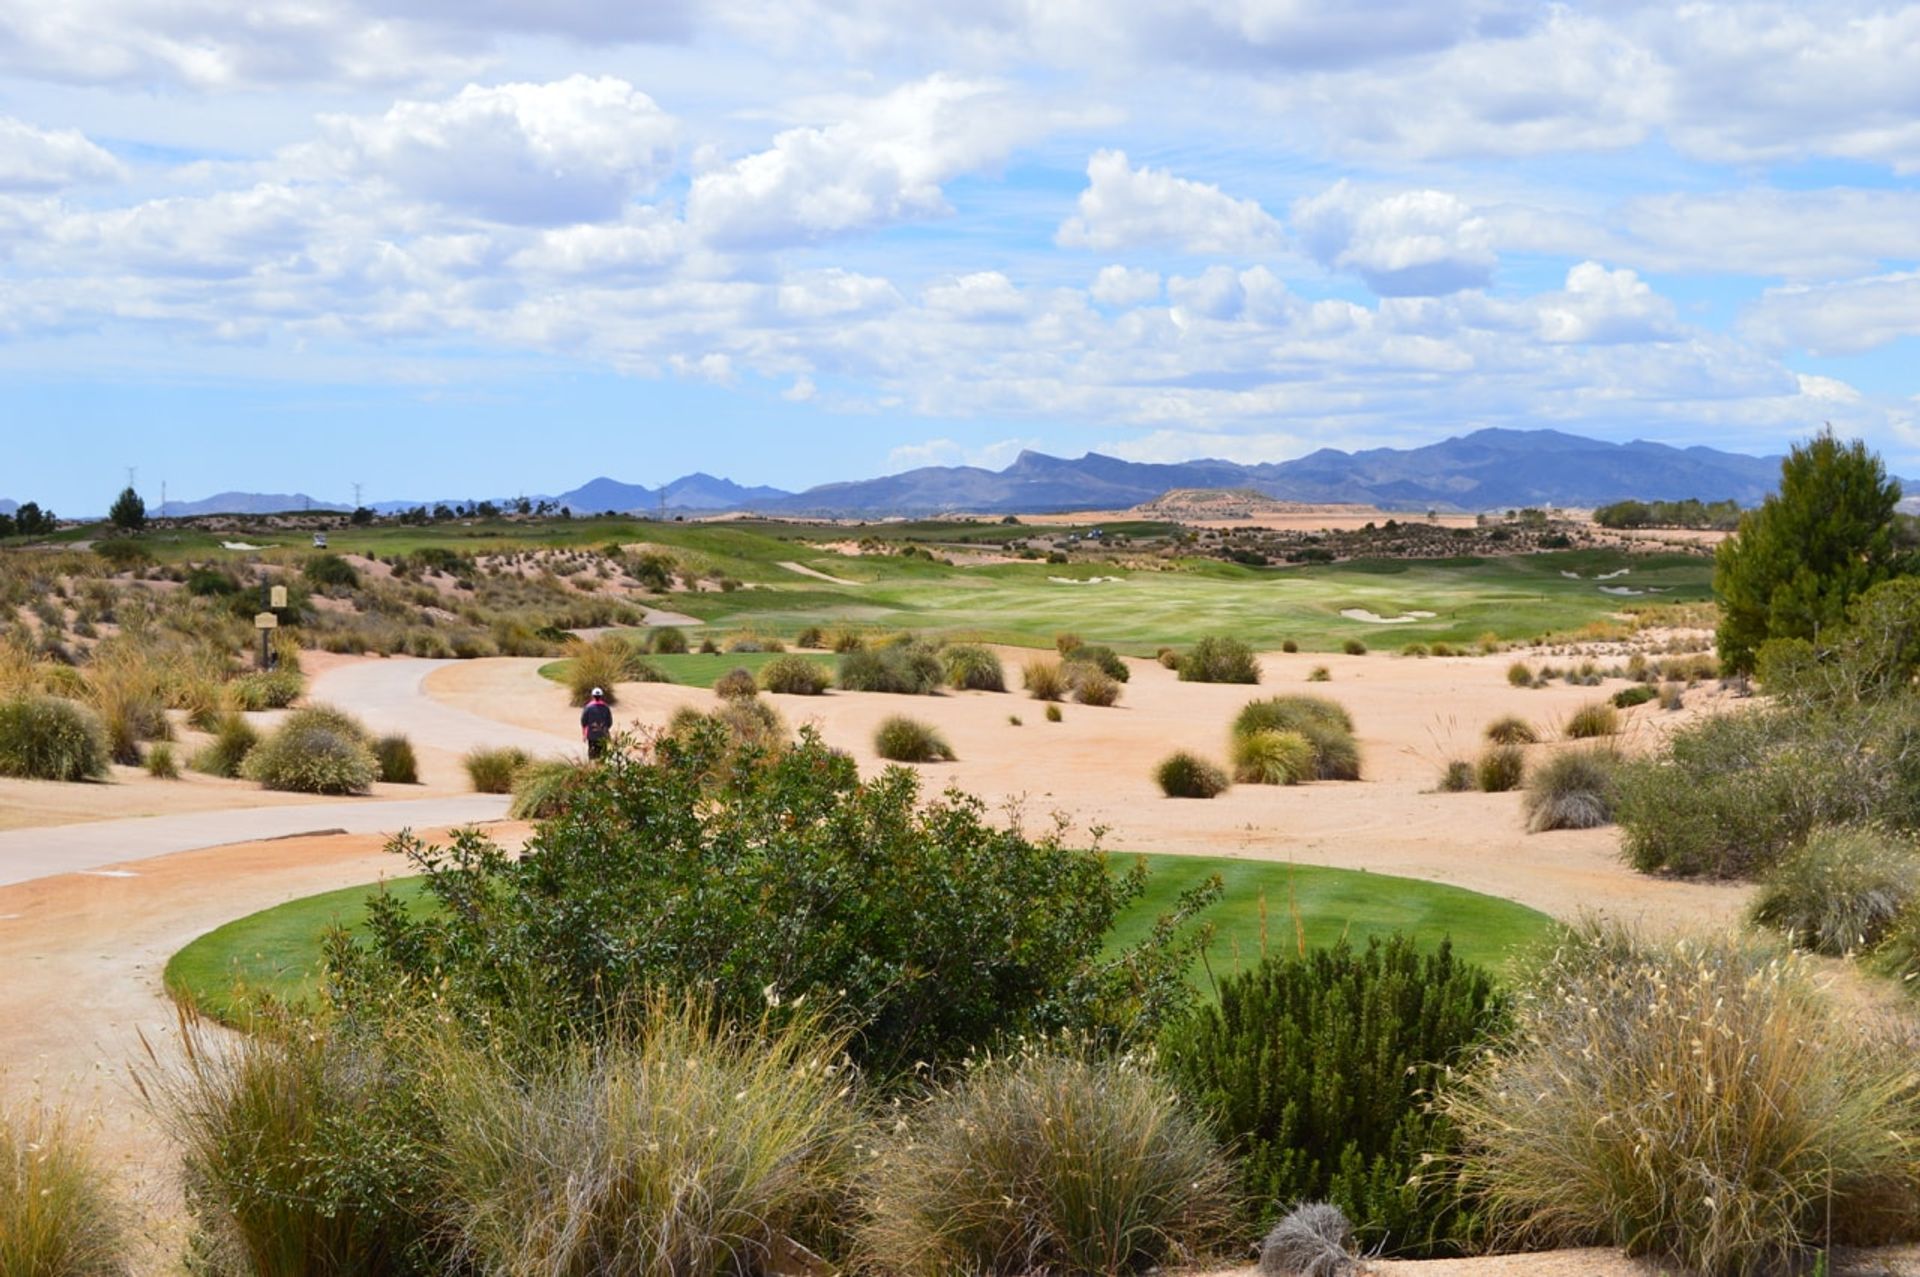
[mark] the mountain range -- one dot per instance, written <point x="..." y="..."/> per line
<point x="1486" y="470"/>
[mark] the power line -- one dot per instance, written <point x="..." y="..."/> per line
<point x="356" y="496"/>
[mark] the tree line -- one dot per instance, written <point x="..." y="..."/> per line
<point x="29" y="520"/>
<point x="1690" y="513"/>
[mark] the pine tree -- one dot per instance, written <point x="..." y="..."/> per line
<point x="129" y="512"/>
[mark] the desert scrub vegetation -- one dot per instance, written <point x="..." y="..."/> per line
<point x="316" y="750"/>
<point x="1185" y="775"/>
<point x="491" y="771"/>
<point x="398" y="766"/>
<point x="688" y="1147"/>
<point x="1092" y="685"/>
<point x="1511" y="730"/>
<point x="794" y="676"/>
<point x="1324" y="723"/>
<point x="542" y="788"/>
<point x="1044" y="680"/>
<point x="161" y="763"/>
<point x="1519" y="675"/>
<point x="233" y="739"/>
<point x="736" y="684"/>
<point x="909" y="667"/>
<point x="900" y="739"/>
<point x="1695" y="1101"/>
<point x="1590" y="721"/>
<point x="1270" y="757"/>
<point x="668" y="641"/>
<point x="603" y="663"/>
<point x="1061" y="1162"/>
<point x="1500" y="768"/>
<point x="1319" y="674"/>
<point x="262" y="690"/>
<point x="1100" y="656"/>
<point x="1353" y="647"/>
<point x="746" y="722"/>
<point x="973" y="667"/>
<point x="1573" y="789"/>
<point x="1457" y="777"/>
<point x="1628" y="697"/>
<point x="57" y="1218"/>
<point x="1219" y="659"/>
<point x="1840" y="891"/>
<point x="1318" y="1067"/>
<point x="48" y="738"/>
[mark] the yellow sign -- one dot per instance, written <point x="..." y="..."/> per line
<point x="266" y="621"/>
<point x="279" y="596"/>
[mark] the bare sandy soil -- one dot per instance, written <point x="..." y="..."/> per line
<point x="1095" y="767"/>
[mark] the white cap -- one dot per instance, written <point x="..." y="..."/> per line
<point x="598" y="692"/>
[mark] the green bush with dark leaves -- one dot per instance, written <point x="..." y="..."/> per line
<point x="1218" y="659"/>
<point x="1318" y="1070"/>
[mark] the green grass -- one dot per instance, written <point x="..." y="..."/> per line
<point x="700" y="669"/>
<point x="277" y="952"/>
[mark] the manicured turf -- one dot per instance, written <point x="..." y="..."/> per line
<point x="277" y="952"/>
<point x="701" y="669"/>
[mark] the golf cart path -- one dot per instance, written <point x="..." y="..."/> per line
<point x="815" y="573"/>
<point x="389" y="696"/>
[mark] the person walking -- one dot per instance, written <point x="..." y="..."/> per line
<point x="596" y="723"/>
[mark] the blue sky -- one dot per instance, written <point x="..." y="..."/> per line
<point x="449" y="247"/>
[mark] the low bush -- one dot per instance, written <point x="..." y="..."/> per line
<point x="1168" y="658"/>
<point x="161" y="764"/>
<point x="47" y="738"/>
<point x="1501" y="768"/>
<point x="603" y="663"/>
<point x="1590" y="721"/>
<point x="1289" y="646"/>
<point x="1053" y="714"/>
<point x="754" y="641"/>
<point x="316" y="750"/>
<point x="668" y="640"/>
<point x="1319" y="674"/>
<point x="972" y="667"/>
<point x="1457" y="777"/>
<point x="1317" y="1068"/>
<point x="233" y="739"/>
<point x="1695" y="1101"/>
<point x="1511" y="730"/>
<point x="907" y="668"/>
<point x="1066" y="643"/>
<point x="1269" y="757"/>
<point x="329" y="571"/>
<point x="1628" y="697"/>
<point x="1574" y="789"/>
<point x="736" y="684"/>
<point x="687" y="1150"/>
<point x="794" y="676"/>
<point x="1840" y="891"/>
<point x="1415" y="649"/>
<point x="747" y="722"/>
<point x="491" y="771"/>
<point x="541" y="789"/>
<point x="1070" y="1164"/>
<point x="398" y="765"/>
<point x="901" y="739"/>
<point x="56" y="1217"/>
<point x="1353" y="647"/>
<point x="263" y="690"/>
<point x="1218" y="659"/>
<point x="1184" y="775"/>
<point x="843" y="641"/>
<point x="1314" y="1239"/>
<point x="1103" y="658"/>
<point x="1092" y="686"/>
<point x="1324" y="723"/>
<point x="810" y="636"/>
<point x="1518" y="675"/>
<point x="1044" y="680"/>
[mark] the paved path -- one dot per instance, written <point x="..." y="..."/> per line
<point x="389" y="696"/>
<point x="26" y="854"/>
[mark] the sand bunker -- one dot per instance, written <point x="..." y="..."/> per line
<point x="1620" y="589"/>
<point x="240" y="545"/>
<point x="1083" y="580"/>
<point x="1608" y="576"/>
<point x="1374" y="618"/>
<point x="816" y="573"/>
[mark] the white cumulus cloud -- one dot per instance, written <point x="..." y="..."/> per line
<point x="1601" y="306"/>
<point x="1408" y="244"/>
<point x="33" y="159"/>
<point x="1127" y="207"/>
<point x="1125" y="286"/>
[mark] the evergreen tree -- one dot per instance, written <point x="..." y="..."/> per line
<point x="1810" y="549"/>
<point x="129" y="512"/>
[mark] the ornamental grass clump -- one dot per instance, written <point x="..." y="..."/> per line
<point x="910" y="667"/>
<point x="1046" y="1162"/>
<point x="398" y="765"/>
<point x="1841" y="890"/>
<point x="317" y="750"/>
<point x="1501" y="768"/>
<point x="973" y="667"/>
<point x="1512" y="730"/>
<point x="491" y="771"/>
<point x="1697" y="1101"/>
<point x="606" y="661"/>
<point x="1184" y="775"/>
<point x="57" y="1218"/>
<point x="1268" y="757"/>
<point x="1044" y="680"/>
<point x="1575" y="789"/>
<point x="233" y="739"/>
<point x="1218" y="659"/>
<point x="1590" y="721"/>
<point x="1324" y="723"/>
<point x="48" y="738"/>
<point x="1105" y="658"/>
<point x="263" y="690"/>
<point x="794" y="676"/>
<point x="736" y="684"/>
<point x="1457" y="777"/>
<point x="1092" y="685"/>
<point x="541" y="789"/>
<point x="901" y="739"/>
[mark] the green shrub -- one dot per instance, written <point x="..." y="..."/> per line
<point x="1044" y="680"/>
<point x="810" y="636"/>
<point x="316" y="750"/>
<point x="1501" y="768"/>
<point x="786" y="877"/>
<point x="843" y="641"/>
<point x="491" y="771"/>
<point x="1104" y="658"/>
<point x="1628" y="697"/>
<point x="1691" y="1100"/>
<point x="971" y="667"/>
<point x="306" y="1152"/>
<point x="908" y="668"/>
<point x="603" y="663"/>
<point x="1353" y="647"/>
<point x="1511" y="730"/>
<point x="668" y="640"/>
<point x="329" y="571"/>
<point x="794" y="676"/>
<point x="736" y="684"/>
<point x="1067" y="643"/>
<point x="1289" y="646"/>
<point x="1574" y="789"/>
<point x="1415" y="649"/>
<point x="745" y="722"/>
<point x="1046" y="1163"/>
<point x="161" y="764"/>
<point x="1091" y="686"/>
<point x="1269" y="757"/>
<point x="56" y="1217"/>
<point x="1168" y="658"/>
<point x="233" y="739"/>
<point x="541" y="789"/>
<point x="1319" y="674"/>
<point x="1184" y="775"/>
<point x="263" y="690"/>
<point x="908" y="740"/>
<point x="1457" y="777"/>
<point x="1518" y="675"/>
<point x="1053" y="714"/>
<point x="1218" y="659"/>
<point x="398" y="766"/>
<point x="1840" y="891"/>
<point x="1317" y="1068"/>
<point x="1590" y="721"/>
<point x="1325" y="724"/>
<point x="46" y="738"/>
<point x="693" y="1151"/>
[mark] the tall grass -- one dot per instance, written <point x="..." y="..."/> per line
<point x="1511" y="730"/>
<point x="1057" y="1163"/>
<point x="603" y="663"/>
<point x="398" y="765"/>
<point x="1575" y="789"/>
<point x="57" y="1218"/>
<point x="972" y="667"/>
<point x="1589" y="721"/>
<point x="909" y="667"/>
<point x="1500" y="768"/>
<point x="47" y="738"/>
<point x="908" y="740"/>
<point x="540" y="789"/>
<point x="125" y="690"/>
<point x="1093" y="685"/>
<point x="1841" y="890"/>
<point x="689" y="1151"/>
<point x="1044" y="680"/>
<point x="233" y="739"/>
<point x="1269" y="757"/>
<point x="795" y="676"/>
<point x="1693" y="1100"/>
<point x="1324" y="723"/>
<point x="491" y="771"/>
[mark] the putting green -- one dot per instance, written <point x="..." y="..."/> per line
<point x="1266" y="905"/>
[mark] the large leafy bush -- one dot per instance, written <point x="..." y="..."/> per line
<point x="46" y="738"/>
